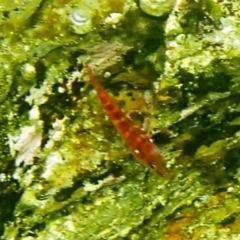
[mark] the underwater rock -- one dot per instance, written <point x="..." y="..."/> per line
<point x="157" y="8"/>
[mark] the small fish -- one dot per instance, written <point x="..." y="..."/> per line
<point x="140" y="144"/>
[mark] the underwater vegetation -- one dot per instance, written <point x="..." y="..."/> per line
<point x="172" y="67"/>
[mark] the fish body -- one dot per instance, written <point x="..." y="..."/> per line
<point x="140" y="144"/>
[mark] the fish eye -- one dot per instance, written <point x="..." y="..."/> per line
<point x="152" y="166"/>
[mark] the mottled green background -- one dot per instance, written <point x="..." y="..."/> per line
<point x="173" y="66"/>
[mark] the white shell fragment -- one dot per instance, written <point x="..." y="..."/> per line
<point x="113" y="18"/>
<point x="81" y="20"/>
<point x="27" y="145"/>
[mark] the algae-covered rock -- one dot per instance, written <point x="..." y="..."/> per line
<point x="156" y="8"/>
<point x="65" y="172"/>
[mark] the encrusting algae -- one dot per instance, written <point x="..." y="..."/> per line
<point x="64" y="174"/>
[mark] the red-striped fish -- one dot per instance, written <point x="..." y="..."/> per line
<point x="140" y="144"/>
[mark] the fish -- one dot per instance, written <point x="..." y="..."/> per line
<point x="139" y="142"/>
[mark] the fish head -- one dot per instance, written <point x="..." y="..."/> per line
<point x="156" y="162"/>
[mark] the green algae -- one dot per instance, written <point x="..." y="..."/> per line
<point x="63" y="164"/>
